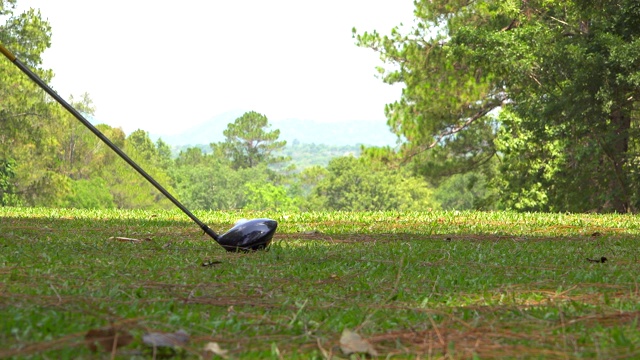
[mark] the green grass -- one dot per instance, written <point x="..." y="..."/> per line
<point x="416" y="285"/>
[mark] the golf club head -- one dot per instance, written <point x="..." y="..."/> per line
<point x="255" y="234"/>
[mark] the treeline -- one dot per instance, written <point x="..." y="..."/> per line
<point x="532" y="107"/>
<point x="301" y="155"/>
<point x="48" y="158"/>
<point x="243" y="172"/>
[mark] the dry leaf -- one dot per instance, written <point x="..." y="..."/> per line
<point x="216" y="349"/>
<point x="352" y="343"/>
<point x="107" y="339"/>
<point x="171" y="340"/>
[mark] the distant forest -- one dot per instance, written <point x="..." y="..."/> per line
<point x="301" y="155"/>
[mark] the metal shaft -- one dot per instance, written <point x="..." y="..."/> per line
<point x="104" y="139"/>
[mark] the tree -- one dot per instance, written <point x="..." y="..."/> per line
<point x="128" y="188"/>
<point x="77" y="145"/>
<point x="144" y="147"/>
<point x="565" y="76"/>
<point x="90" y="194"/>
<point x="208" y="186"/>
<point x="27" y="118"/>
<point x="8" y="195"/>
<point x="206" y="182"/>
<point x="190" y="157"/>
<point x="248" y="143"/>
<point x="267" y="196"/>
<point x="164" y="157"/>
<point x="468" y="191"/>
<point x="356" y="185"/>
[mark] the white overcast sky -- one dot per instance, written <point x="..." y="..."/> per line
<point x="164" y="66"/>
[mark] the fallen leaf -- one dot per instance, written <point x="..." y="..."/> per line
<point x="216" y="349"/>
<point x="352" y="343"/>
<point x="107" y="339"/>
<point x="171" y="340"/>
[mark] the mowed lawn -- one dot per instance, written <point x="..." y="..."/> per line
<point x="411" y="285"/>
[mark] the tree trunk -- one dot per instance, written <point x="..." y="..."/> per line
<point x="617" y="147"/>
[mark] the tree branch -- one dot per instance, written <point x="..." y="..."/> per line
<point x="8" y="116"/>
<point x="455" y="130"/>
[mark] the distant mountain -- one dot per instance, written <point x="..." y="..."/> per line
<point x="205" y="133"/>
<point x="304" y="131"/>
<point x="335" y="133"/>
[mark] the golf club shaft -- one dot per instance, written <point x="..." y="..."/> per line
<point x="104" y="139"/>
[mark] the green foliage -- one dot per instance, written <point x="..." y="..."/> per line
<point x="26" y="34"/>
<point x="309" y="178"/>
<point x="190" y="157"/>
<point x="49" y="188"/>
<point x="307" y="155"/>
<point x="584" y="142"/>
<point x="446" y="99"/>
<point x="90" y="194"/>
<point x="355" y="185"/>
<point x="266" y="196"/>
<point x="7" y="6"/>
<point x="25" y="111"/>
<point x="129" y="189"/>
<point x="249" y="144"/>
<point x="567" y="72"/>
<point x="210" y="186"/>
<point x="140" y="142"/>
<point x="50" y="159"/>
<point x="78" y="148"/>
<point x="163" y="155"/>
<point x="468" y="191"/>
<point x="204" y="181"/>
<point x="8" y="196"/>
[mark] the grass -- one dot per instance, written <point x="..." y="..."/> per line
<point x="415" y="285"/>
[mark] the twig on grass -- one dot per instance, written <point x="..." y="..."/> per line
<point x="394" y="290"/>
<point x="295" y="317"/>
<point x="126" y="239"/>
<point x="435" y="328"/>
<point x="57" y="294"/>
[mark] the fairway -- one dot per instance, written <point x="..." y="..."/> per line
<point x="413" y="285"/>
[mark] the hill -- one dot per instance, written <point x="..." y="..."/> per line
<point x="304" y="131"/>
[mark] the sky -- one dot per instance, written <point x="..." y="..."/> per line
<point x="165" y="66"/>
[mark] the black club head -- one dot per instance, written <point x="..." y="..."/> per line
<point x="249" y="235"/>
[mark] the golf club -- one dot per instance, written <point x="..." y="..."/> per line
<point x="249" y="235"/>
